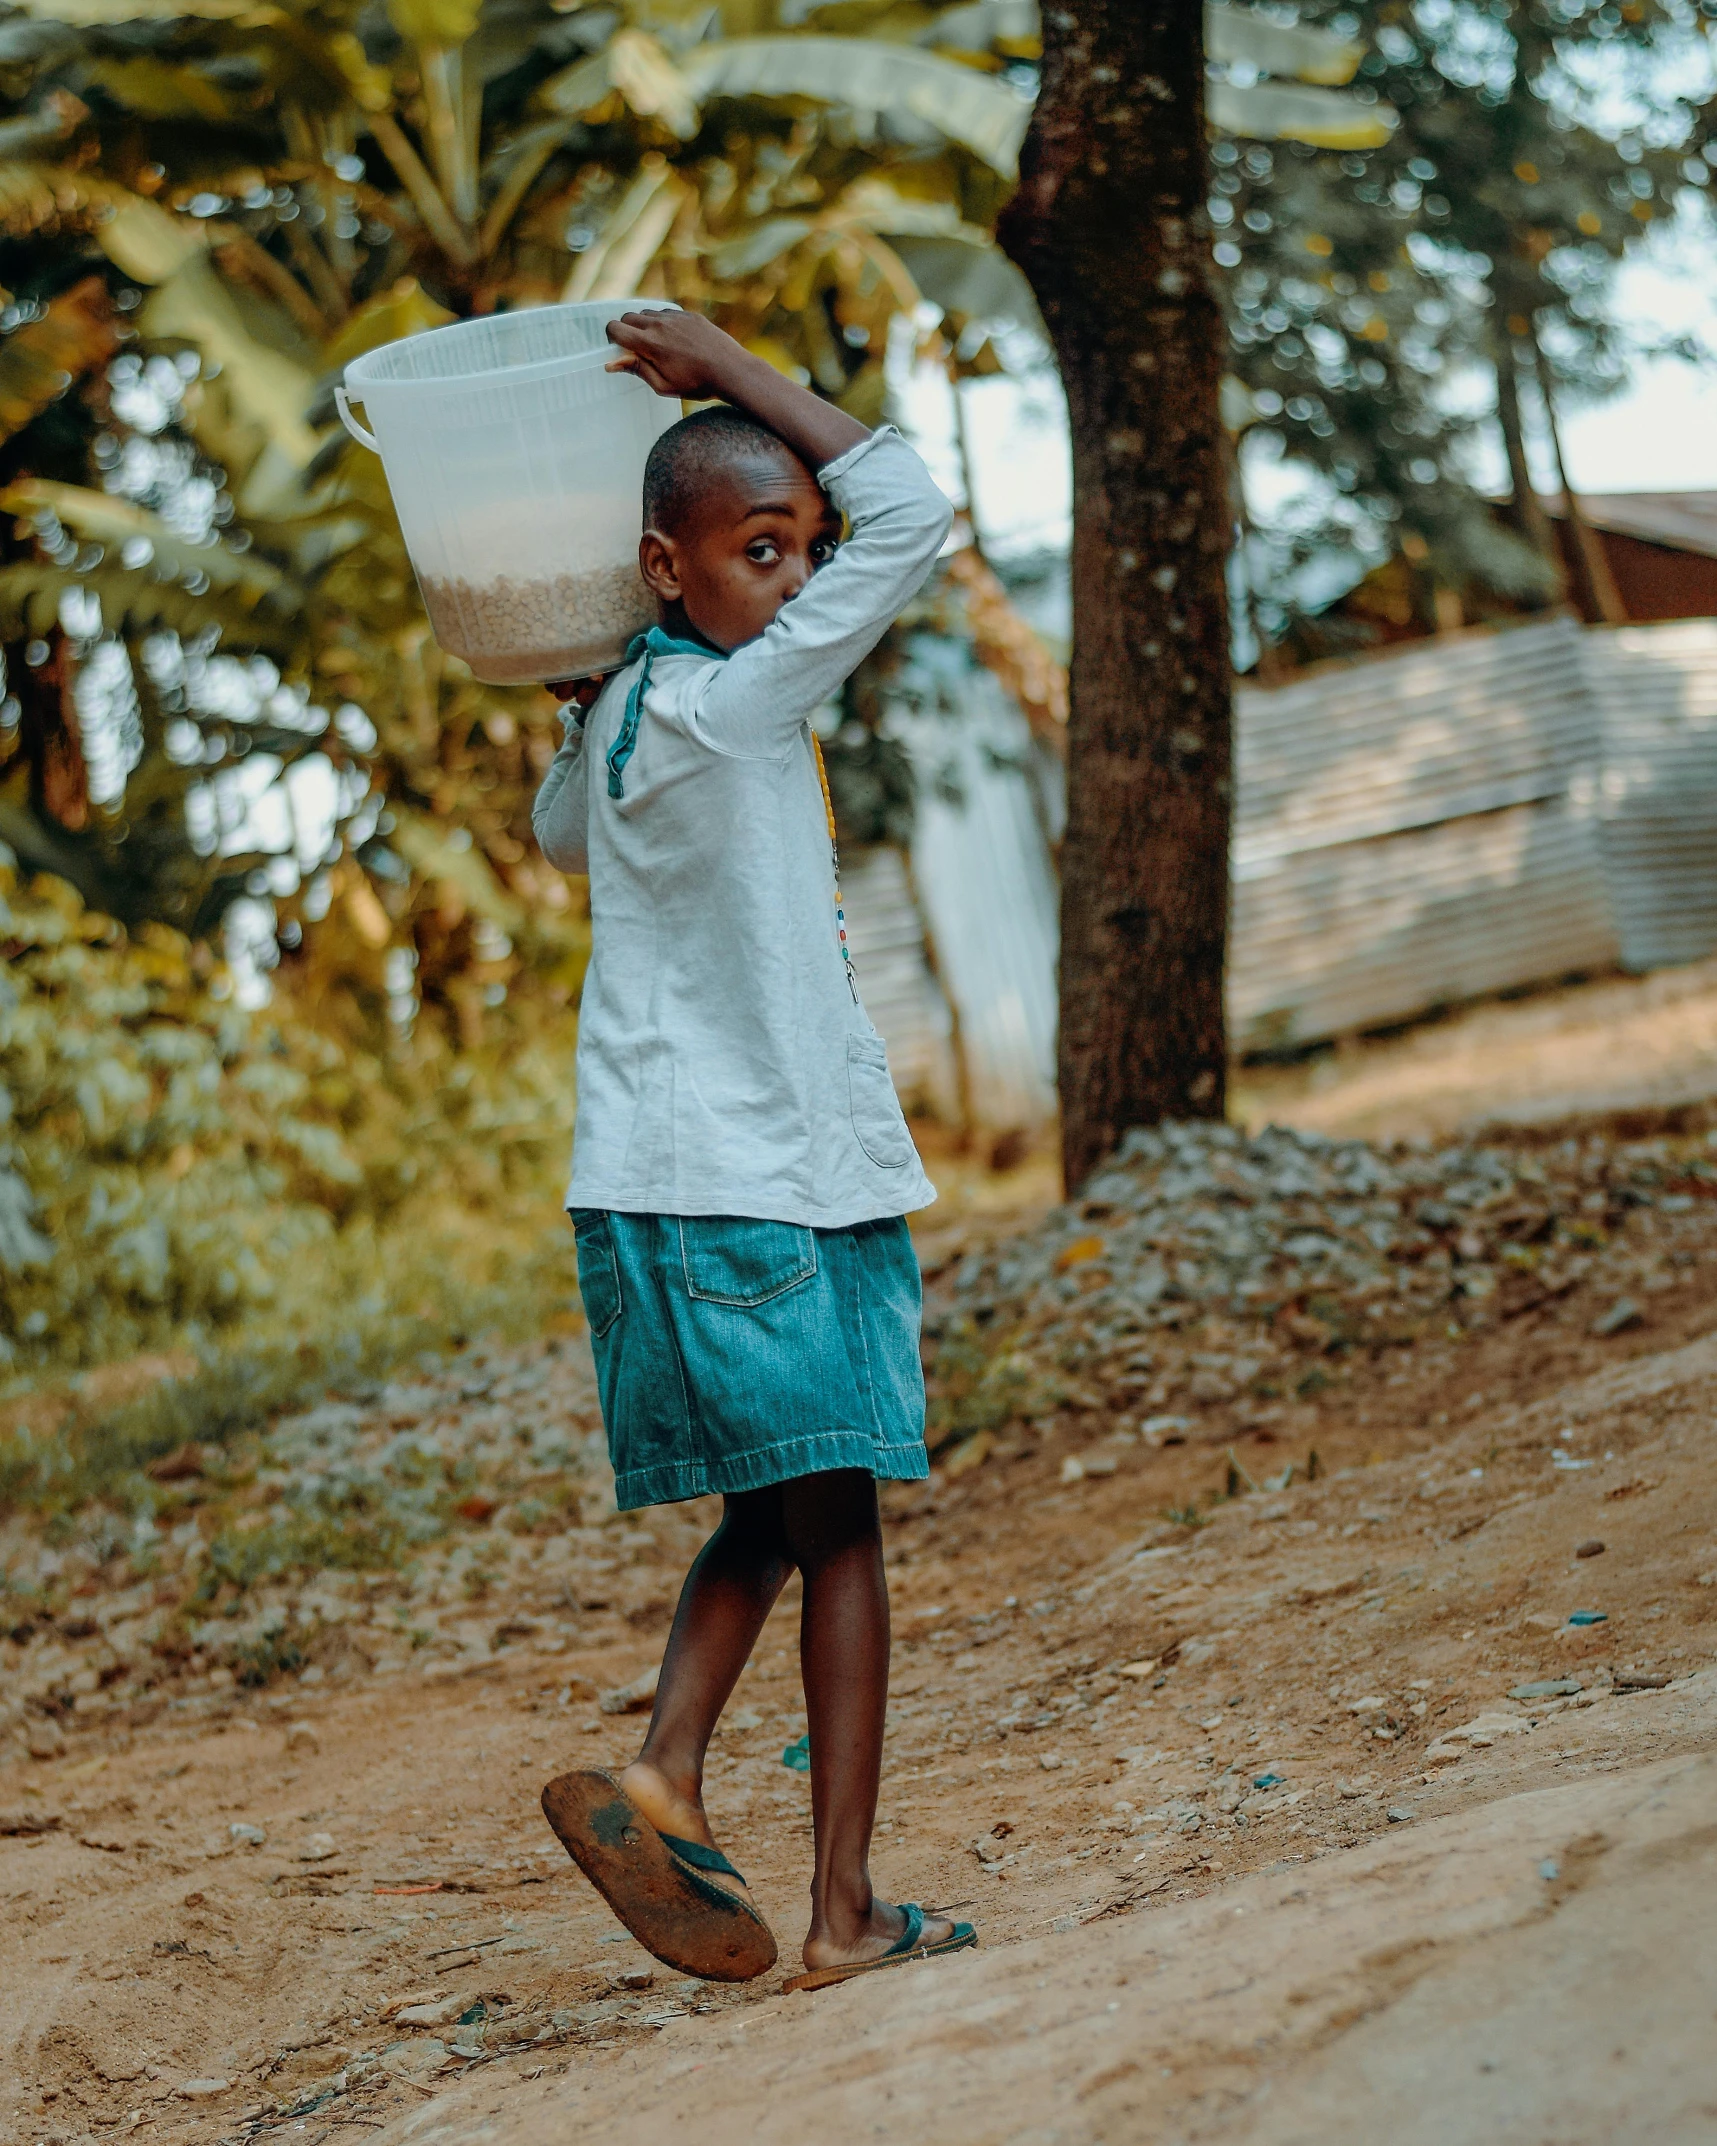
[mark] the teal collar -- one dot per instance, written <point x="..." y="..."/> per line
<point x="657" y="642"/>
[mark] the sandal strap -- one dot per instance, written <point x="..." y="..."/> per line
<point x="908" y="1940"/>
<point x="700" y="1857"/>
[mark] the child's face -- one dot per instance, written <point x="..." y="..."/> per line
<point x="752" y="539"/>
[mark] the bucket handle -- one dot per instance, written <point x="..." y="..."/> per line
<point x="364" y="438"/>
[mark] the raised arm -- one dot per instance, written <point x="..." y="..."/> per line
<point x="683" y="354"/>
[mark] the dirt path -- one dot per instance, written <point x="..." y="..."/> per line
<point x="1645" y="1045"/>
<point x="1332" y="1670"/>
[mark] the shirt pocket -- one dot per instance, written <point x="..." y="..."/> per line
<point x="598" y="1269"/>
<point x="734" y="1259"/>
<point x="877" y="1122"/>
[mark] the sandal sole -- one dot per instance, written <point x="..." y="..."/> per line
<point x="679" y="1916"/>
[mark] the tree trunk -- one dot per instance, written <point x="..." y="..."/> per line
<point x="1108" y="226"/>
<point x="1526" y="508"/>
<point x="1599" y="597"/>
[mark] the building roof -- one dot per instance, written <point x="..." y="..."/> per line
<point x="1685" y="521"/>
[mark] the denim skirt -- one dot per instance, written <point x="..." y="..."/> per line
<point x="733" y="1353"/>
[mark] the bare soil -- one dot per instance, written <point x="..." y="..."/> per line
<point x="1258" y="1842"/>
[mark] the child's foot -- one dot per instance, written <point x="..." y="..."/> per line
<point x="884" y="1929"/>
<point x="664" y="1806"/>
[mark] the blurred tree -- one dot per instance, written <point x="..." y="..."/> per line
<point x="1107" y="223"/>
<point x="1537" y="140"/>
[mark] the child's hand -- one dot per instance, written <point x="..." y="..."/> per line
<point x="582" y="690"/>
<point x="679" y="354"/>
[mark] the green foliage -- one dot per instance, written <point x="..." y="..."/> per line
<point x="173" y="1169"/>
<point x="1535" y="143"/>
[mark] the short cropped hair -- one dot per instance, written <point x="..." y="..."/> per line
<point x="690" y="453"/>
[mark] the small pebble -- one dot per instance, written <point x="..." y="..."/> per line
<point x="1591" y="1547"/>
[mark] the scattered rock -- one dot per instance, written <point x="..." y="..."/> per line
<point x="1548" y="1688"/>
<point x="416" y="2061"/>
<point x="634" y="1698"/>
<point x="177" y="1467"/>
<point x="45" y="1740"/>
<point x="108" y="1843"/>
<point x="1476" y="1735"/>
<point x="1399" y="1815"/>
<point x="1591" y="1547"/>
<point x="438" y="2012"/>
<point x="1050" y="1761"/>
<point x="27" y="1821"/>
<point x="1640" y="1680"/>
<point x="634" y="1978"/>
<point x="203" y="2089"/>
<point x="243" y="1835"/>
<point x="301" y="1736"/>
<point x="1622" y="1314"/>
<point x="319" y="1848"/>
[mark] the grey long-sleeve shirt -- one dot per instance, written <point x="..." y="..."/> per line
<point x="723" y="1067"/>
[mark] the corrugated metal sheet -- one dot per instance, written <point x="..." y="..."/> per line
<point x="1415" y="829"/>
<point x="1658" y="793"/>
<point x="1465" y="816"/>
<point x="1356" y="934"/>
<point x="900" y="992"/>
<point x="985" y="880"/>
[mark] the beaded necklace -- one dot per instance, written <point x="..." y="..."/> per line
<point x="659" y="643"/>
<point x="835" y="860"/>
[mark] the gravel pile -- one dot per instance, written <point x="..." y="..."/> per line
<point x="412" y="1530"/>
<point x="1288" y="1242"/>
<point x="559" y="626"/>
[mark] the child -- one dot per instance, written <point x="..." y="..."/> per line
<point x="741" y="1167"/>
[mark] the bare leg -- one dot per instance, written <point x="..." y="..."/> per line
<point x="834" y="1535"/>
<point x="734" y="1583"/>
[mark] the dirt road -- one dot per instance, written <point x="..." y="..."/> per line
<point x="1259" y="1844"/>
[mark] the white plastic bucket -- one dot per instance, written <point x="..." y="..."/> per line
<point x="516" y="464"/>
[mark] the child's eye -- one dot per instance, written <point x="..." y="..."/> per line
<point x="823" y="550"/>
<point x="763" y="553"/>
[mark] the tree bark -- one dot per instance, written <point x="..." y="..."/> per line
<point x="1526" y="508"/>
<point x="1600" y="598"/>
<point x="1108" y="226"/>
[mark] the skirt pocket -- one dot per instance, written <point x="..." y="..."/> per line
<point x="734" y="1259"/>
<point x="598" y="1269"/>
<point x="877" y="1123"/>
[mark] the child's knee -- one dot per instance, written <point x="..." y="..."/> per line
<point x="830" y="1515"/>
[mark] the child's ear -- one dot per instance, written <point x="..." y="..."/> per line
<point x="659" y="566"/>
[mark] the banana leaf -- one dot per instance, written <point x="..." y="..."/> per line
<point x="265" y="386"/>
<point x="405" y="310"/>
<point x="117" y="521"/>
<point x="1283" y="112"/>
<point x="133" y="601"/>
<point x="39" y="361"/>
<point x="155" y="89"/>
<point x="147" y="243"/>
<point x="1278" y="48"/>
<point x="110" y="14"/>
<point x="434" y="22"/>
<point x="979" y="282"/>
<point x="898" y="82"/>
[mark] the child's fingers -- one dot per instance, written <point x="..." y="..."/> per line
<point x="626" y="362"/>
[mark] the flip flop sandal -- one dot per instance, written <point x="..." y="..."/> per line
<point x="908" y="1945"/>
<point x="684" y="1903"/>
